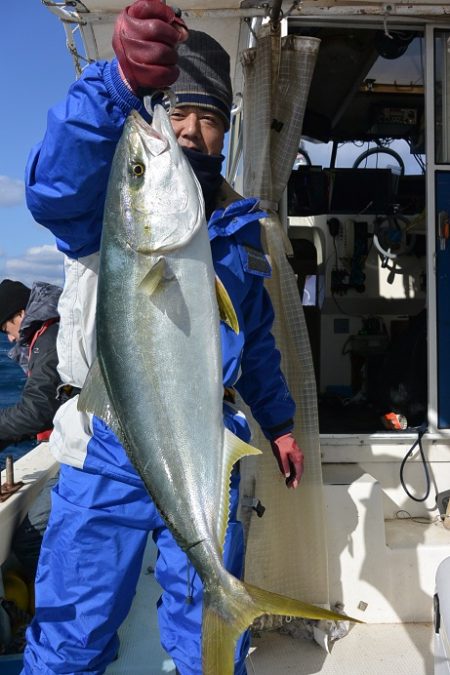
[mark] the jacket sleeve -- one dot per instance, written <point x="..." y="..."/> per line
<point x="35" y="410"/>
<point x="262" y="384"/>
<point x="67" y="173"/>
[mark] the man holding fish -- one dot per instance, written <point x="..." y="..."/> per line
<point x="102" y="512"/>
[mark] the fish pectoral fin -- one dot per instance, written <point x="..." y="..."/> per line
<point x="226" y="310"/>
<point x="159" y="272"/>
<point x="94" y="399"/>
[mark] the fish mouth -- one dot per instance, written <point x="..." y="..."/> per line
<point x="136" y="121"/>
<point x="153" y="139"/>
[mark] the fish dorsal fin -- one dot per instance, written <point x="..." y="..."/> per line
<point x="226" y="310"/>
<point x="157" y="273"/>
<point x="94" y="399"/>
<point x="235" y="449"/>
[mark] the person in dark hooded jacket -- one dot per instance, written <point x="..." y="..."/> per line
<point x="29" y="317"/>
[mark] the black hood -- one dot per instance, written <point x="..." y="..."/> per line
<point x="42" y="305"/>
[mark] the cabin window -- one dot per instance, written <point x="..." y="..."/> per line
<point x="442" y="96"/>
<point x="356" y="217"/>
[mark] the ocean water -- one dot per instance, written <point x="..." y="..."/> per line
<point x="12" y="379"/>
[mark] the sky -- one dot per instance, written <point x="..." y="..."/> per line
<point x="36" y="72"/>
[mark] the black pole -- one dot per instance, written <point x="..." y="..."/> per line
<point x="275" y="11"/>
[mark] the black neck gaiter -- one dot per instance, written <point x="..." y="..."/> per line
<point x="207" y="169"/>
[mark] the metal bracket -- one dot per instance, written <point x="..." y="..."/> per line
<point x="9" y="487"/>
<point x="254" y="504"/>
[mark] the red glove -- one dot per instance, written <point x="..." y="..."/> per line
<point x="289" y="457"/>
<point x="145" y="38"/>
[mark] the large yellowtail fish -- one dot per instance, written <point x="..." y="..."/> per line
<point x="157" y="381"/>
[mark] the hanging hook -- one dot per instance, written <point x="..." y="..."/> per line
<point x="294" y="6"/>
<point x="276" y="13"/>
<point x="237" y="104"/>
<point x="387" y="11"/>
<point x="165" y="97"/>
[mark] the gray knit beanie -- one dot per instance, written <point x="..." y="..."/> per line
<point x="204" y="79"/>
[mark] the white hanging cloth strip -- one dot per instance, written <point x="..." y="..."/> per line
<point x="287" y="550"/>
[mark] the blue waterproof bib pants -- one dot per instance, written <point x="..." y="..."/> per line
<point x="90" y="562"/>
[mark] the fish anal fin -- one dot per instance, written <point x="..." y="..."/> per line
<point x="226" y="310"/>
<point x="94" y="399"/>
<point x="235" y="449"/>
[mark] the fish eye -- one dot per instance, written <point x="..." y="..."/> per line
<point x="138" y="169"/>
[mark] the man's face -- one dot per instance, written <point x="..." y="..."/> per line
<point x="198" y="129"/>
<point x="12" y="326"/>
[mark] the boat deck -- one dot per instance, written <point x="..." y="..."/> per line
<point x="376" y="649"/>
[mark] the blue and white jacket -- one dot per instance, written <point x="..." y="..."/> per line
<point x="66" y="180"/>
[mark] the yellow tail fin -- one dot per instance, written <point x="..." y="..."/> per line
<point x="219" y="639"/>
<point x="226" y="615"/>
